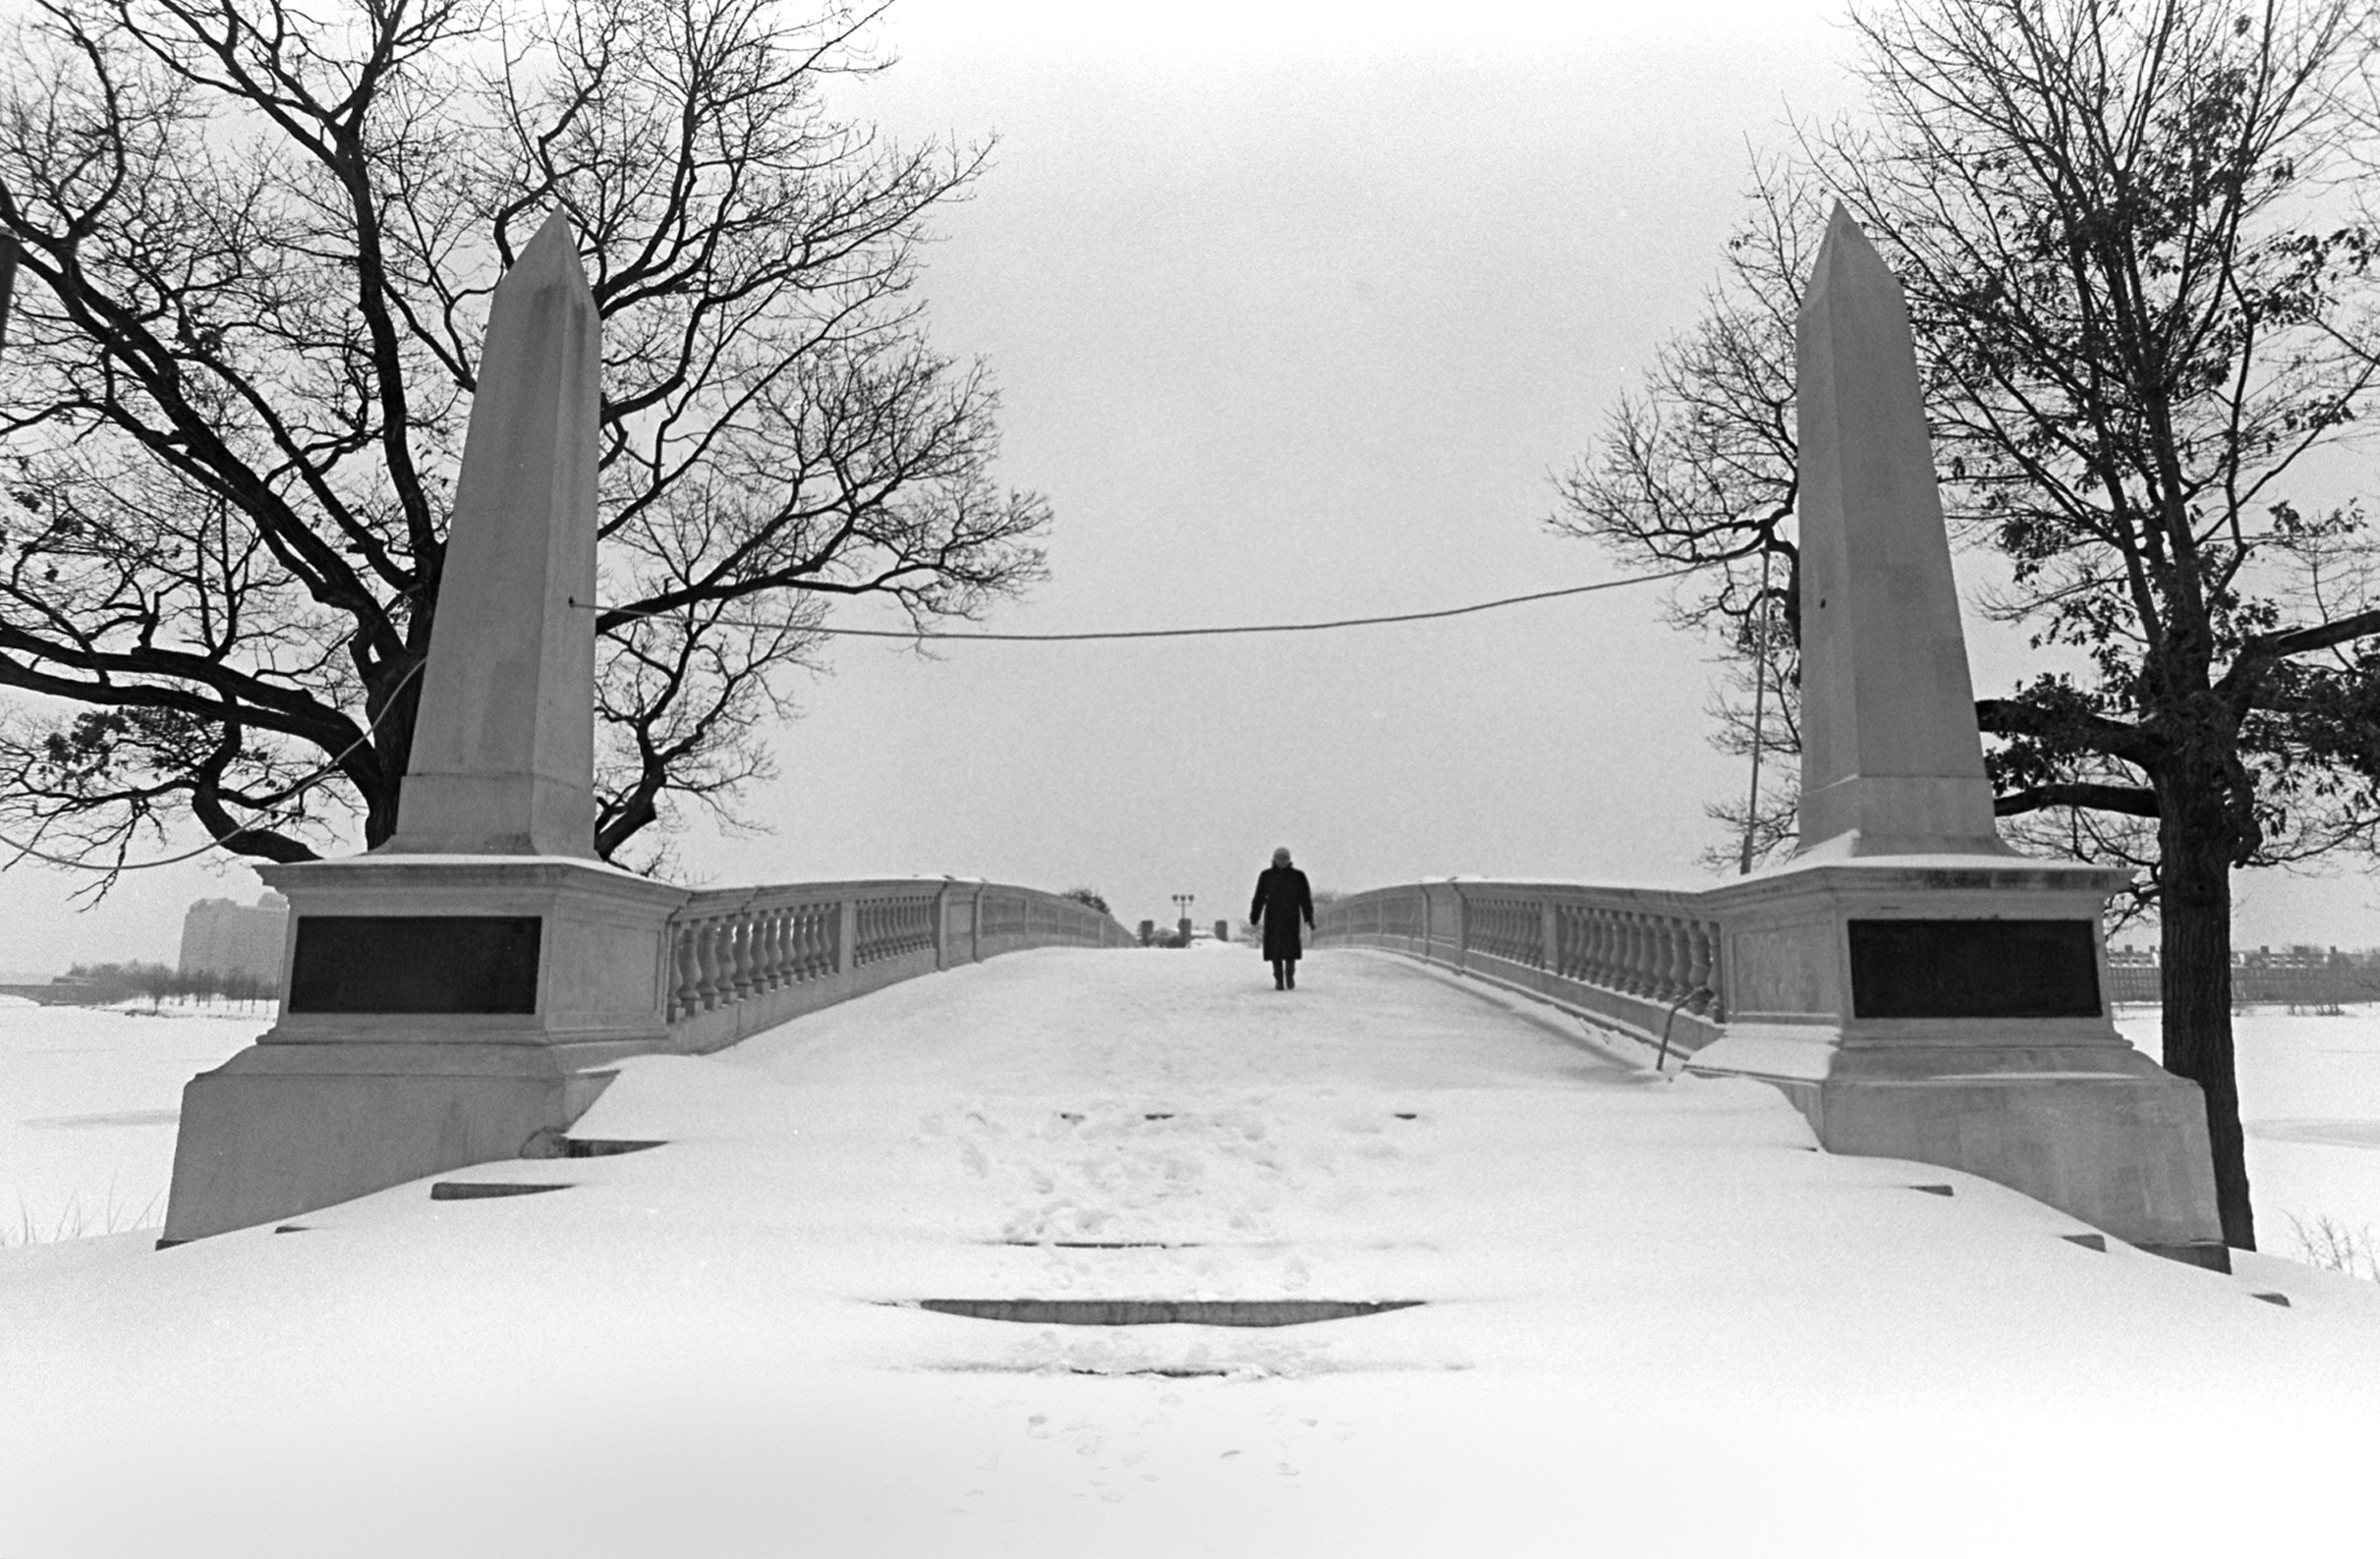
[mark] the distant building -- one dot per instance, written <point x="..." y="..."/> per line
<point x="224" y="936"/>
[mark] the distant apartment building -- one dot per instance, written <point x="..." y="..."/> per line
<point x="226" y="938"/>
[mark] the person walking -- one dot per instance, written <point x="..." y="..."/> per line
<point x="1282" y="899"/>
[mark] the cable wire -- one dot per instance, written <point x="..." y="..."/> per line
<point x="1183" y="633"/>
<point x="27" y="851"/>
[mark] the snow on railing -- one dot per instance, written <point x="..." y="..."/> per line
<point x="1642" y="960"/>
<point x="748" y="958"/>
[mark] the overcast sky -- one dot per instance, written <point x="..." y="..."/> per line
<point x="1295" y="308"/>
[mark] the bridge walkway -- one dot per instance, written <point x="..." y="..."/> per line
<point x="1649" y="1311"/>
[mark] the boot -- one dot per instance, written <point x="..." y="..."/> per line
<point x="1289" y="973"/>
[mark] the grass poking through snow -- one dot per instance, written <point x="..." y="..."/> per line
<point x="76" y="1221"/>
<point x="2334" y="1246"/>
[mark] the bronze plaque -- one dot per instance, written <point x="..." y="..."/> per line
<point x="1973" y="969"/>
<point x="415" y="963"/>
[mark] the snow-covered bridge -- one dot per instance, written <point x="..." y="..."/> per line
<point x="779" y="1202"/>
<point x="1652" y="1316"/>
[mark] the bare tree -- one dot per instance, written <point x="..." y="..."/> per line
<point x="2142" y="299"/>
<point x="1756" y="715"/>
<point x="255" y="247"/>
<point x="1697" y="468"/>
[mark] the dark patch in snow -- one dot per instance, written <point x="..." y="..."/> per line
<point x="1407" y="1114"/>
<point x="2280" y="1299"/>
<point x="1105" y="1243"/>
<point x="1933" y="1191"/>
<point x="604" y="1146"/>
<point x="2088" y="1242"/>
<point x="1162" y="1311"/>
<point x="291" y="1227"/>
<point x="467" y="1191"/>
<point x="1120" y="1372"/>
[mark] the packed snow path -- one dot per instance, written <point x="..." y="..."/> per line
<point x="1655" y="1319"/>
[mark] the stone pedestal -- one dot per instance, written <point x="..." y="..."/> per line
<point x="1951" y="1010"/>
<point x="439" y="1011"/>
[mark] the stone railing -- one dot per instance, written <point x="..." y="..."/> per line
<point x="745" y="960"/>
<point x="1644" y="962"/>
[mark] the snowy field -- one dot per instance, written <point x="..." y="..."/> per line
<point x="1655" y="1320"/>
<point x="2310" y="1100"/>
<point x="89" y="1097"/>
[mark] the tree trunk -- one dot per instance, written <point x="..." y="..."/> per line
<point x="2194" y="911"/>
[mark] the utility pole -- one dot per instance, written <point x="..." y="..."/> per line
<point x="1759" y="709"/>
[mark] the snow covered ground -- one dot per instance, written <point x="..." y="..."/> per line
<point x="2309" y="1099"/>
<point x="89" y="1097"/>
<point x="1656" y="1320"/>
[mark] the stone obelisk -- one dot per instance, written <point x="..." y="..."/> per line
<point x="1918" y="990"/>
<point x="1891" y="762"/>
<point x="503" y="747"/>
<point x="458" y="994"/>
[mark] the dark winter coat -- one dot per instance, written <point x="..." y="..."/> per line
<point x="1282" y="899"/>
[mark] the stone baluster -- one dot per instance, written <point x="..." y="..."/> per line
<point x="734" y="958"/>
<point x="770" y="970"/>
<point x="739" y="950"/>
<point x="706" y="962"/>
<point x="1712" y="976"/>
<point x="687" y="998"/>
<point x="1672" y="960"/>
<point x="756" y="950"/>
<point x="764" y="950"/>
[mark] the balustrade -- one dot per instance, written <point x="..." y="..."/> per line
<point x="1632" y="954"/>
<point x="724" y="956"/>
<point x="890" y="927"/>
<point x="741" y="945"/>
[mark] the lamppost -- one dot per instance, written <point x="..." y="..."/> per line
<point x="1182" y="909"/>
